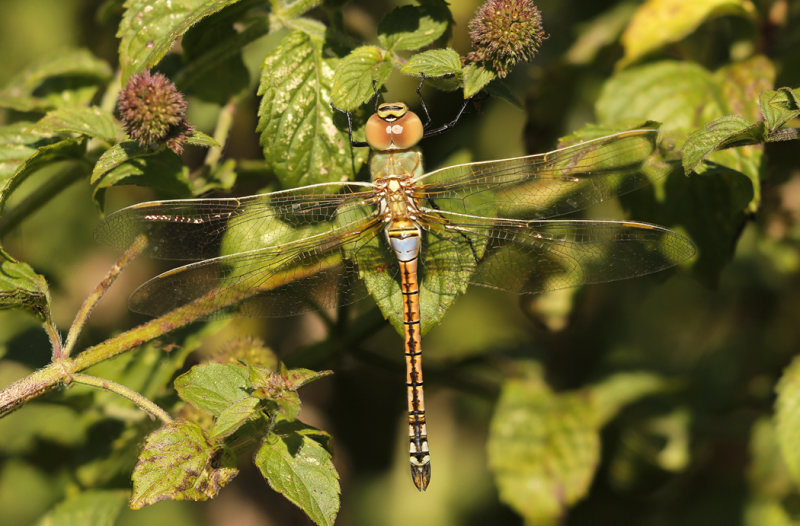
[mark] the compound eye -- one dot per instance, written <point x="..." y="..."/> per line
<point x="378" y="133"/>
<point x="407" y="131"/>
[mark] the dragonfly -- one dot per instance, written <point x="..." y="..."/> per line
<point x="494" y="224"/>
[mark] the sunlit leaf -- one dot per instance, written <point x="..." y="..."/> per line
<point x="357" y="76"/>
<point x="234" y="416"/>
<point x="149" y="28"/>
<point x="67" y="149"/>
<point x="475" y="79"/>
<point x="434" y="63"/>
<point x="92" y="507"/>
<point x="301" y="469"/>
<point x="414" y="26"/>
<point x="543" y="448"/>
<point x="178" y="462"/>
<point x="609" y="396"/>
<point x="89" y="121"/>
<point x="69" y="78"/>
<point x="293" y="8"/>
<point x="127" y="163"/>
<point x="779" y="107"/>
<point x="787" y="417"/>
<point x="199" y="138"/>
<point x="17" y="143"/>
<point x="298" y="135"/>
<point x="716" y="135"/>
<point x="660" y="22"/>
<point x="213" y="386"/>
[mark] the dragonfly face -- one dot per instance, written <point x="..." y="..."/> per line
<point x="488" y="223"/>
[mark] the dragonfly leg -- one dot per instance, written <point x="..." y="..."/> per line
<point x="451" y="124"/>
<point x="422" y="101"/>
<point x="354" y="144"/>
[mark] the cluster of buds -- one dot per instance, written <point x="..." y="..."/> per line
<point x="153" y="112"/>
<point x="504" y="33"/>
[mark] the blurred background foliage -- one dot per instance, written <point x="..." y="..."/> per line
<point x="649" y="401"/>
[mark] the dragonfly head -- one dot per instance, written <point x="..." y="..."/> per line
<point x="393" y="127"/>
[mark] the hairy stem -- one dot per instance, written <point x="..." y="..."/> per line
<point x="141" y="401"/>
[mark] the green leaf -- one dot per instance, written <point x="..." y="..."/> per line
<point x="88" y="508"/>
<point x="779" y="107"/>
<point x="301" y="469"/>
<point x="660" y="22"/>
<point x="17" y="144"/>
<point x="787" y="417"/>
<point x="88" y="121"/>
<point x="300" y="140"/>
<point x="740" y="82"/>
<point x="212" y="51"/>
<point x="608" y="397"/>
<point x="149" y="28"/>
<point x="234" y="416"/>
<point x="476" y="78"/>
<point x="434" y="63"/>
<point x="355" y="74"/>
<point x="543" y="448"/>
<point x="213" y="386"/>
<point x="412" y="27"/>
<point x="598" y="33"/>
<point x="70" y="78"/>
<point x="127" y="163"/>
<point x="46" y="154"/>
<point x="293" y="8"/>
<point x="178" y="463"/>
<point x="50" y="423"/>
<point x="767" y="475"/>
<point x="198" y="138"/>
<point x="717" y="135"/>
<point x="297" y="378"/>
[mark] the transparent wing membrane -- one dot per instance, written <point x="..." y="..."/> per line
<point x="544" y="185"/>
<point x="539" y="255"/>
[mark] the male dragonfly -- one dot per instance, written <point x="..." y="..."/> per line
<point x="485" y="223"/>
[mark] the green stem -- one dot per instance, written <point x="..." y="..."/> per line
<point x="221" y="132"/>
<point x="134" y="250"/>
<point x="61" y="371"/>
<point x="143" y="402"/>
<point x="51" y="188"/>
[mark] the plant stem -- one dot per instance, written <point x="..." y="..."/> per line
<point x="143" y="402"/>
<point x="135" y="249"/>
<point x="224" y="123"/>
<point x="62" y="370"/>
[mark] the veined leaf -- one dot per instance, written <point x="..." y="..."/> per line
<point x="178" y="462"/>
<point x="69" y="79"/>
<point x="355" y="74"/>
<point x="301" y="469"/>
<point x="88" y="121"/>
<point x="660" y="22"/>
<point x="719" y="134"/>
<point x="22" y="288"/>
<point x="787" y="417"/>
<point x="298" y="135"/>
<point x="213" y="386"/>
<point x="543" y="448"/>
<point x="779" y="107"/>
<point x="293" y="8"/>
<point x="44" y="155"/>
<point x="234" y="416"/>
<point x="92" y="507"/>
<point x="476" y="78"/>
<point x="434" y="63"/>
<point x="150" y="27"/>
<point x="414" y="26"/>
<point x="17" y="143"/>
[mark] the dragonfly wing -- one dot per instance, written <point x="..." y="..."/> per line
<point x="279" y="280"/>
<point x="195" y="229"/>
<point x="536" y="256"/>
<point x="548" y="184"/>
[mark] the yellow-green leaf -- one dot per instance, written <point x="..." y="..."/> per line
<point x="660" y="22"/>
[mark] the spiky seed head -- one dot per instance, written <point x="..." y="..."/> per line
<point x="153" y="111"/>
<point x="504" y="33"/>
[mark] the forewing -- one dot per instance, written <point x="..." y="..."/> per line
<point x="195" y="229"/>
<point x="544" y="185"/>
